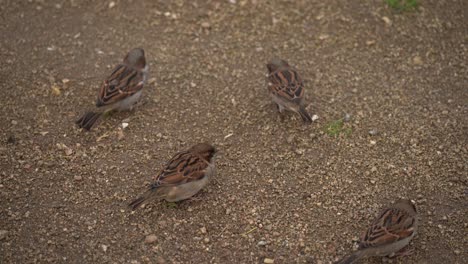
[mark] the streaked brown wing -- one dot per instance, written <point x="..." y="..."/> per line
<point x="392" y="225"/>
<point x="184" y="167"/>
<point x="123" y="82"/>
<point x="287" y="84"/>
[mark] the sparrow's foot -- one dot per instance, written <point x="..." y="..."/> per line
<point x="138" y="104"/>
<point x="280" y="108"/>
<point x="195" y="199"/>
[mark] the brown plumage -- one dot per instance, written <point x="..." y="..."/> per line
<point x="391" y="231"/>
<point x="287" y="88"/>
<point x="183" y="176"/>
<point x="121" y="89"/>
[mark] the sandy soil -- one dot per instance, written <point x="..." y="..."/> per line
<point x="285" y="192"/>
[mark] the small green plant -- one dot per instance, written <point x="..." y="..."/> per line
<point x="402" y="5"/>
<point x="171" y="205"/>
<point x="336" y="127"/>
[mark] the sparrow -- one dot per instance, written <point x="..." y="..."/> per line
<point x="286" y="88"/>
<point x="121" y="89"/>
<point x="390" y="232"/>
<point x="182" y="177"/>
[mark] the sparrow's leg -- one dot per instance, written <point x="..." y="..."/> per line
<point x="195" y="199"/>
<point x="138" y="104"/>
<point x="280" y="108"/>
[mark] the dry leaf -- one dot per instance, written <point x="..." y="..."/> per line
<point x="56" y="90"/>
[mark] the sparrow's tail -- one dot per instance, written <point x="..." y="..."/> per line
<point x="150" y="194"/>
<point x="351" y="258"/>
<point x="305" y="116"/>
<point x="87" y="120"/>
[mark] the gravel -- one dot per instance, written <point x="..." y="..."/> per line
<point x="307" y="193"/>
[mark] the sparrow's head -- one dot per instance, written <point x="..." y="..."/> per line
<point x="136" y="58"/>
<point x="206" y="151"/>
<point x="276" y="64"/>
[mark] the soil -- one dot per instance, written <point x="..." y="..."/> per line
<point x="285" y="192"/>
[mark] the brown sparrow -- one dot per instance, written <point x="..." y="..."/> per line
<point x="390" y="232"/>
<point x="286" y="88"/>
<point x="121" y="89"/>
<point x="182" y="177"/>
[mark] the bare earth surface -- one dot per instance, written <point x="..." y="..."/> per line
<point x="285" y="192"/>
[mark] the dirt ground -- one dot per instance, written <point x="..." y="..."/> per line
<point x="285" y="192"/>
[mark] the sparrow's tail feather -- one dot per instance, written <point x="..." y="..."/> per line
<point x="87" y="120"/>
<point x="150" y="194"/>
<point x="351" y="258"/>
<point x="305" y="116"/>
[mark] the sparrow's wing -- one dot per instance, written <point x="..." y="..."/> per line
<point x="124" y="81"/>
<point x="391" y="226"/>
<point x="287" y="84"/>
<point x="184" y="167"/>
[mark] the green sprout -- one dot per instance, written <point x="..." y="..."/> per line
<point x="402" y="5"/>
<point x="335" y="128"/>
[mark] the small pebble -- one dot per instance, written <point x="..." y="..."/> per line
<point x="268" y="261"/>
<point x="387" y="21"/>
<point x="78" y="178"/>
<point x="347" y="117"/>
<point x="104" y="247"/>
<point x="68" y="151"/>
<point x="150" y="239"/>
<point x="3" y="234"/>
<point x="417" y="60"/>
<point x="323" y="36"/>
<point x="299" y="151"/>
<point x="152" y="80"/>
<point x="261" y="243"/>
